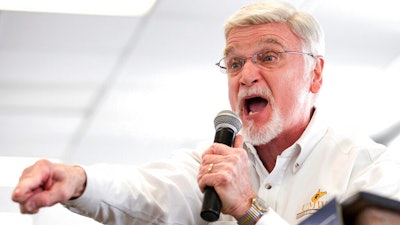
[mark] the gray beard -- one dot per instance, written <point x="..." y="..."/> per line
<point x="264" y="134"/>
<point x="267" y="132"/>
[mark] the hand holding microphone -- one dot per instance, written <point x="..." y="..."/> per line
<point x="227" y="125"/>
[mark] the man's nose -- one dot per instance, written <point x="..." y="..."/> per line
<point x="250" y="73"/>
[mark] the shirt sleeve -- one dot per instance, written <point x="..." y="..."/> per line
<point x="271" y="217"/>
<point x="149" y="194"/>
<point x="374" y="171"/>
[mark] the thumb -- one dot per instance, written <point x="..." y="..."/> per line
<point x="239" y="140"/>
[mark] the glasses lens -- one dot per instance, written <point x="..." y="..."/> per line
<point x="267" y="58"/>
<point x="233" y="64"/>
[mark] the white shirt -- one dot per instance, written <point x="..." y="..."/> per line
<point x="321" y="165"/>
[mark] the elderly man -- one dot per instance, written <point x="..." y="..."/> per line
<point x="283" y="166"/>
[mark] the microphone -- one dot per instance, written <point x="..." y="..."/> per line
<point x="227" y="125"/>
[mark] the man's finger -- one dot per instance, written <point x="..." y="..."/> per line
<point x="25" y="189"/>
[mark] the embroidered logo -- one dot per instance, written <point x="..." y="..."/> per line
<point x="313" y="206"/>
<point x="318" y="195"/>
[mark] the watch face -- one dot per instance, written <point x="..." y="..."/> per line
<point x="260" y="204"/>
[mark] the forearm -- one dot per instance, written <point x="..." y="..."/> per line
<point x="138" y="196"/>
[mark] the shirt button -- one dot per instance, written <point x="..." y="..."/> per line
<point x="268" y="186"/>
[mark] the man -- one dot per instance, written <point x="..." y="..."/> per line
<point x="284" y="166"/>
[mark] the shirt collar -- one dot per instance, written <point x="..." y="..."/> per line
<point x="314" y="132"/>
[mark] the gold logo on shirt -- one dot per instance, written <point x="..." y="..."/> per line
<point x="318" y="195"/>
<point x="313" y="206"/>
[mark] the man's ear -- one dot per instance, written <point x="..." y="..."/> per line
<point x="317" y="77"/>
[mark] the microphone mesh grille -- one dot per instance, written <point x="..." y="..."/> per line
<point x="227" y="118"/>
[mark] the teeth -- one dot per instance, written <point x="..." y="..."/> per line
<point x="251" y="113"/>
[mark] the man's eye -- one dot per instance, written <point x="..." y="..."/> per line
<point x="235" y="64"/>
<point x="268" y="57"/>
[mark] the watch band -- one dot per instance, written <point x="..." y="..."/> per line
<point x="254" y="213"/>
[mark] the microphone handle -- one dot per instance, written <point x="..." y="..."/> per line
<point x="211" y="208"/>
<point x="211" y="205"/>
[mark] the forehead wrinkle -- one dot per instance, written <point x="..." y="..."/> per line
<point x="267" y="41"/>
<point x="261" y="43"/>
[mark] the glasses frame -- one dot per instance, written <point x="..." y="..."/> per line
<point x="253" y="58"/>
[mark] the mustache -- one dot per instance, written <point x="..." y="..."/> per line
<point x="257" y="91"/>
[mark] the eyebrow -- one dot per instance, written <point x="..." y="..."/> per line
<point x="228" y="50"/>
<point x="267" y="41"/>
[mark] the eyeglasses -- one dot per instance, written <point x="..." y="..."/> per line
<point x="267" y="58"/>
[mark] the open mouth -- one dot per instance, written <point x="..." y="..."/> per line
<point x="255" y="105"/>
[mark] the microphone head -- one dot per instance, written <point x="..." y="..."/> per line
<point x="227" y="118"/>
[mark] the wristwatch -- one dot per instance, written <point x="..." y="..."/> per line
<point x="257" y="209"/>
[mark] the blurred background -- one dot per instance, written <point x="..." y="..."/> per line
<point x="85" y="89"/>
